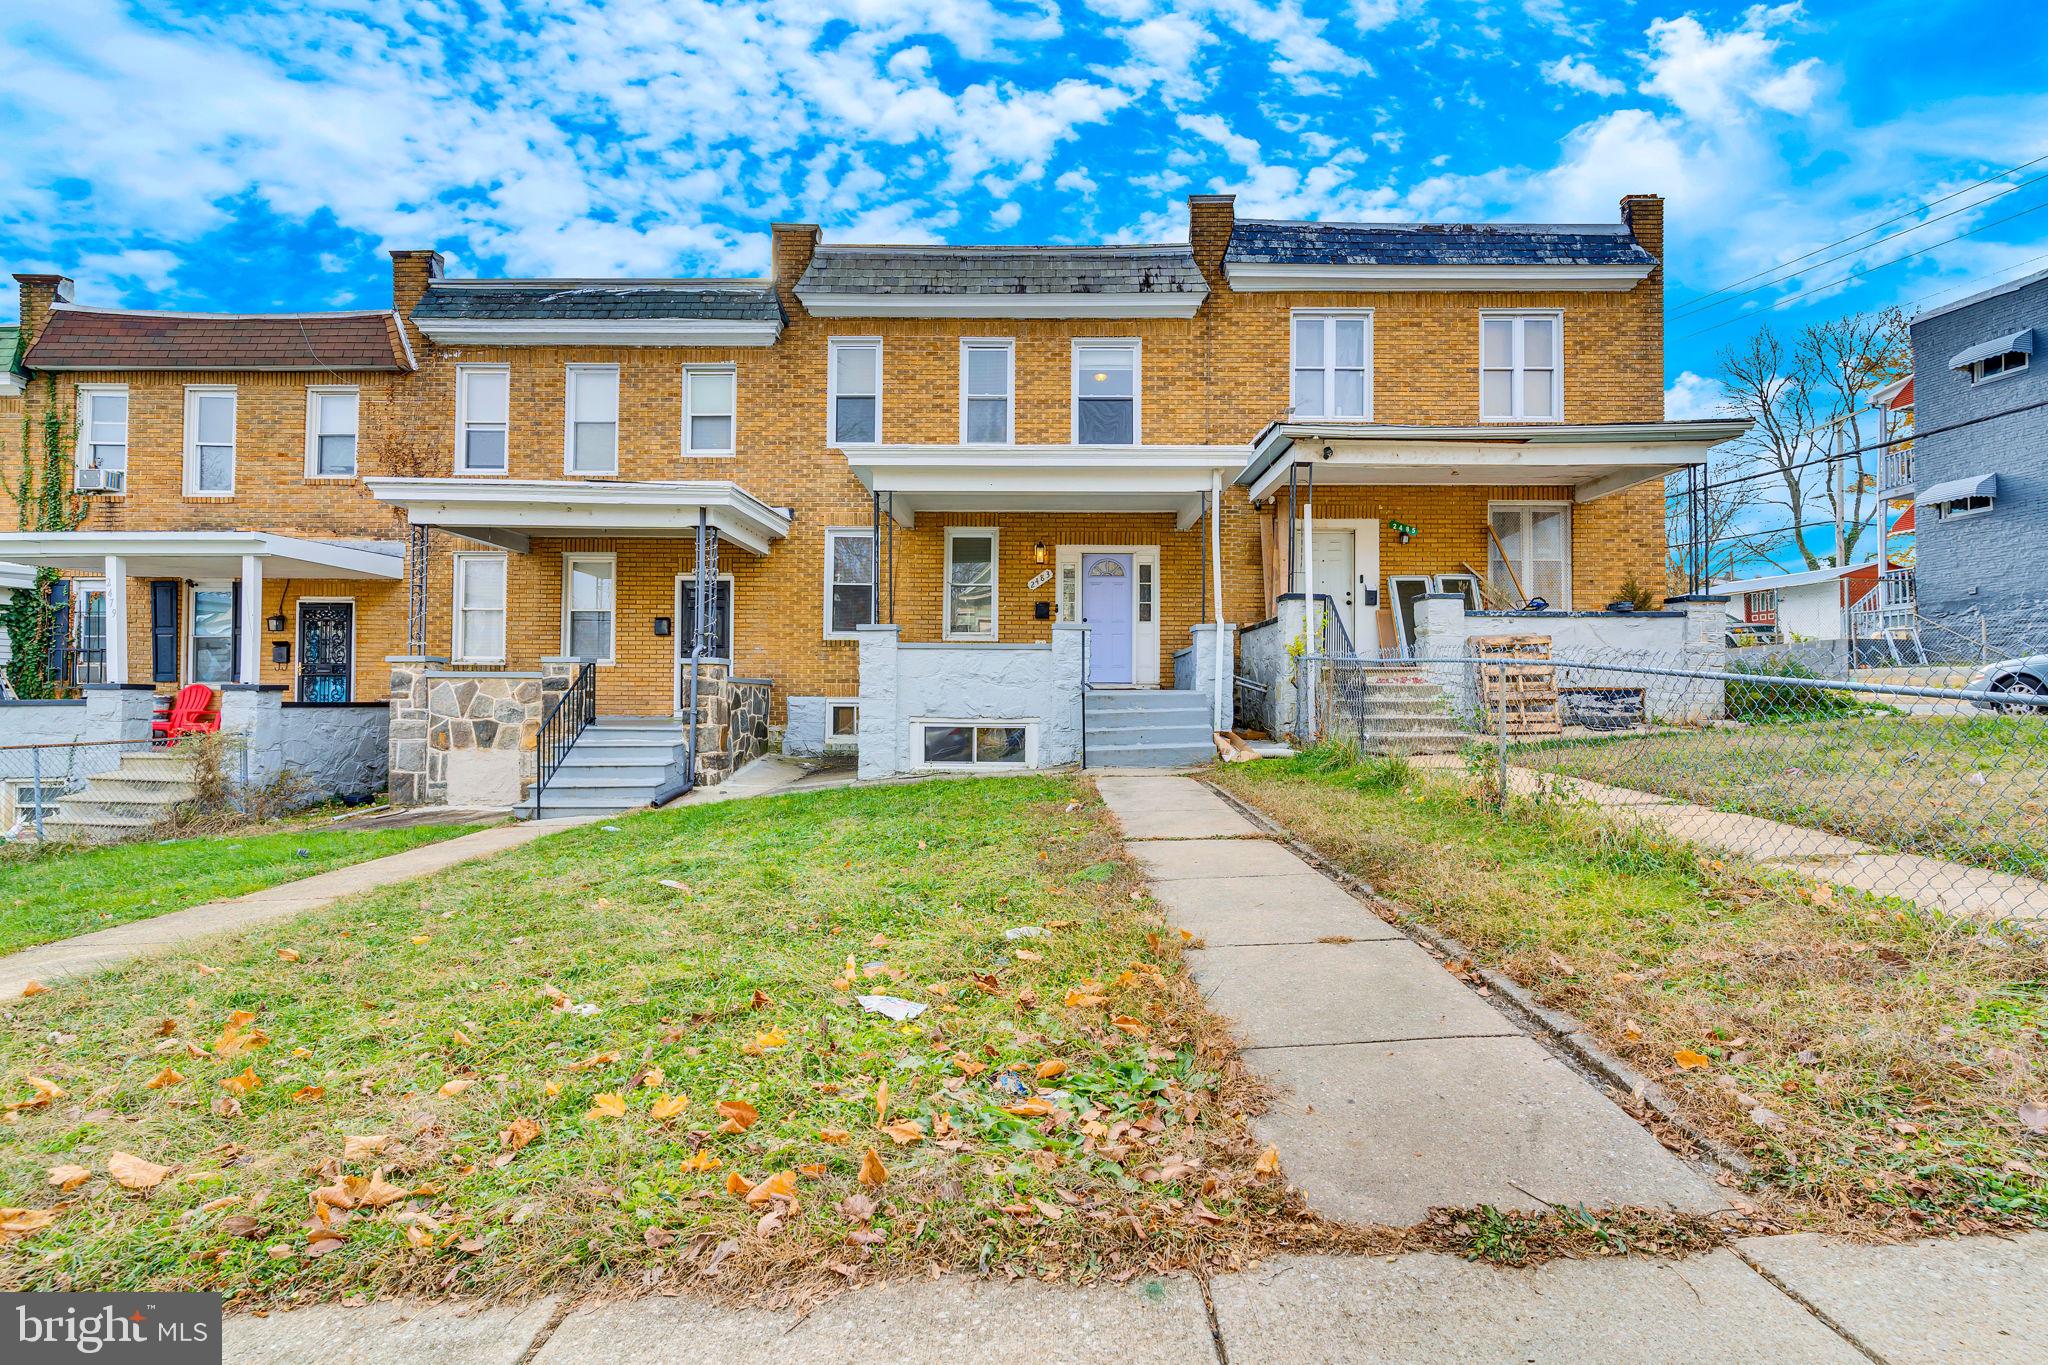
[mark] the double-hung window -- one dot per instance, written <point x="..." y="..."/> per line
<point x="970" y="583"/>
<point x="209" y="440"/>
<point x="1106" y="404"/>
<point x="483" y="406"/>
<point x="332" y="415"/>
<point x="592" y="420"/>
<point x="1521" y="367"/>
<point x="589" y="606"/>
<point x="103" y="435"/>
<point x="849" y="582"/>
<point x="987" y="391"/>
<point x="1529" y="553"/>
<point x="479" y="608"/>
<point x="1332" y="364"/>
<point x="854" y="377"/>
<point x="710" y="409"/>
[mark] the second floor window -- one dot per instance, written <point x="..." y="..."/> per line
<point x="987" y="384"/>
<point x="483" y="405"/>
<point x="1521" y="367"/>
<point x="479" y="609"/>
<point x="593" y="419"/>
<point x="854" y="375"/>
<point x="331" y="417"/>
<point x="1332" y="365"/>
<point x="209" y="440"/>
<point x="710" y="407"/>
<point x="103" y="434"/>
<point x="1106" y="393"/>
<point x="1990" y="367"/>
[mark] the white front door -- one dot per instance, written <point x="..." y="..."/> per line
<point x="1347" y="571"/>
<point x="1108" y="606"/>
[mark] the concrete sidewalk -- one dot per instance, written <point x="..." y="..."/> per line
<point x="110" y="947"/>
<point x="1404" y="1090"/>
<point x="1793" y="1299"/>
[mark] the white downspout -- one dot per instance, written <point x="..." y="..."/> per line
<point x="1223" y="691"/>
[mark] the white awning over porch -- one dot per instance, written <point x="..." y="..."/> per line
<point x="510" y="512"/>
<point x="204" y="554"/>
<point x="1592" y="460"/>
<point x="1043" y="478"/>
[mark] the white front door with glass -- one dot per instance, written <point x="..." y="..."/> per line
<point x="1109" y="607"/>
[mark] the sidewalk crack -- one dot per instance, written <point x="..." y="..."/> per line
<point x="547" y="1330"/>
<point x="1844" y="1333"/>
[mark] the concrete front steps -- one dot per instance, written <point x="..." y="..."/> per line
<point x="1394" y="710"/>
<point x="126" y="802"/>
<point x="1149" y="729"/>
<point x="617" y="764"/>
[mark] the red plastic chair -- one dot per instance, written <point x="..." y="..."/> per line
<point x="194" y="711"/>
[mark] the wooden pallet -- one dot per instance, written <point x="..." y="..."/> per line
<point x="1518" y="684"/>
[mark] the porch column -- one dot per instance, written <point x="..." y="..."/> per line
<point x="116" y="607"/>
<point x="1222" y="708"/>
<point x="1308" y="582"/>
<point x="249" y="668"/>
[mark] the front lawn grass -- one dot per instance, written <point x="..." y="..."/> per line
<point x="1881" y="1069"/>
<point x="56" y="891"/>
<point x="1971" y="789"/>
<point x="567" y="1066"/>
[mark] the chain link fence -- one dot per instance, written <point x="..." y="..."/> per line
<point x="35" y="779"/>
<point x="1922" y="783"/>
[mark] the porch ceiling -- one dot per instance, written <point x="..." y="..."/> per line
<point x="204" y="554"/>
<point x="1047" y="478"/>
<point x="1592" y="460"/>
<point x="510" y="512"/>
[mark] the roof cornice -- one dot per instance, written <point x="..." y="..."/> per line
<point x="1256" y="277"/>
<point x="598" y="332"/>
<point x="1183" y="304"/>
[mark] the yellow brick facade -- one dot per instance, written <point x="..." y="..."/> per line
<point x="1217" y="378"/>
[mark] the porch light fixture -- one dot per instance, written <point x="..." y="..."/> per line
<point x="274" y="624"/>
<point x="1038" y="552"/>
<point x="663" y="625"/>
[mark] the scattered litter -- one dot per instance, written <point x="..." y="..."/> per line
<point x="1009" y="1083"/>
<point x="610" y="829"/>
<point x="895" y="1007"/>
<point x="586" y="1009"/>
<point x="1024" y="931"/>
<point x="672" y="884"/>
<point x="303" y="852"/>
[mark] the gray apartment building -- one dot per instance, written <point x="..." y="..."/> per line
<point x="1980" y="491"/>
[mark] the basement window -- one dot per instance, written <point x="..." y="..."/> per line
<point x="974" y="744"/>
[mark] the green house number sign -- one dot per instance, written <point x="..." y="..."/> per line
<point x="1402" y="528"/>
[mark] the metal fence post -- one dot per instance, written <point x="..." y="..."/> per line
<point x="1501" y="724"/>
<point x="35" y="763"/>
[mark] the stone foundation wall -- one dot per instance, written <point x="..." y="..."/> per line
<point x="732" y="722"/>
<point x="466" y="738"/>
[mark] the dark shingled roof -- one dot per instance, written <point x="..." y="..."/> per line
<point x="597" y="300"/>
<point x="1002" y="270"/>
<point x="1256" y="241"/>
<point x="90" y="339"/>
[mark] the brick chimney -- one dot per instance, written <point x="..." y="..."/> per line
<point x="411" y="273"/>
<point x="1643" y="216"/>
<point x="789" y="256"/>
<point x="1210" y="219"/>
<point x="38" y="292"/>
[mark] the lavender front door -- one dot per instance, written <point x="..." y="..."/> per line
<point x="1106" y="605"/>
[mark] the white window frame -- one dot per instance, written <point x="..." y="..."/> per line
<point x="995" y="584"/>
<point x="1516" y="368"/>
<point x="833" y="533"/>
<point x="569" y="563"/>
<point x="1144" y="633"/>
<point x="1329" y="369"/>
<point x="709" y="452"/>
<point x="1961" y="509"/>
<point x="459" y="642"/>
<point x="462" y="373"/>
<point x="314" y="394"/>
<point x="193" y="394"/>
<point x="569" y="419"/>
<point x="834" y="704"/>
<point x="188" y="638"/>
<point x="1029" y="725"/>
<point x="1539" y="504"/>
<point x="1007" y="346"/>
<point x="1980" y="375"/>
<point x="833" y="347"/>
<point x="1137" y="350"/>
<point x="82" y="451"/>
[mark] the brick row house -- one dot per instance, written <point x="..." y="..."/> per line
<point x="950" y="507"/>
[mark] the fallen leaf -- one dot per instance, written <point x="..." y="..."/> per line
<point x="1688" y="1060"/>
<point x="24" y="1222"/>
<point x="233" y="1041"/>
<point x="780" y="1185"/>
<point x="738" y="1115"/>
<point x="652" y="1077"/>
<point x="1051" y="1068"/>
<point x="610" y="1104"/>
<point x="761" y="1000"/>
<point x="34" y="988"/>
<point x="668" y="1106"/>
<point x="1079" y="999"/>
<point x="307" y="1094"/>
<point x="458" y="1038"/>
<point x="288" y="954"/>
<point x="168" y="1076"/>
<point x="857" y="1208"/>
<point x="967" y="1066"/>
<point x="735" y="1183"/>
<point x="133" y="1173"/>
<point x="1135" y="1027"/>
<point x="68" y="1177"/>
<point x="903" y="1132"/>
<point x="591" y="1063"/>
<point x="872" y="1171"/>
<point x="656" y="1239"/>
<point x="882" y="1101"/>
<point x="455" y="1085"/>
<point x="362" y="1147"/>
<point x="1268" y="1162"/>
<point x="811" y="1170"/>
<point x="1029" y="1109"/>
<point x="243" y="1084"/>
<point x="517" y="1134"/>
<point x="766" y="1042"/>
<point x="419" y="1237"/>
<point x="46" y="1090"/>
<point x="836" y="1136"/>
<point x="702" y="1161"/>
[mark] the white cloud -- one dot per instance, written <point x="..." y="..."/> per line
<point x="1729" y="75"/>
<point x="1694" y="395"/>
<point x="1076" y="181"/>
<point x="1578" y="73"/>
<point x="1006" y="215"/>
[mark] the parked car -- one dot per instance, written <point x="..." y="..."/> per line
<point x="2026" y="677"/>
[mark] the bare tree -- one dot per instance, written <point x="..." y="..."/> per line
<point x="1727" y="507"/>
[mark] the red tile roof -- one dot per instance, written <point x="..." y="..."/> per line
<point x="103" y="339"/>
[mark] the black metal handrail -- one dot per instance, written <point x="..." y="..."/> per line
<point x="560" y="726"/>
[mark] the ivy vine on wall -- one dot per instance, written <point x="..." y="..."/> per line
<point x="45" y="499"/>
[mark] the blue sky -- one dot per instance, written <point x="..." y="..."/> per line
<point x="264" y="155"/>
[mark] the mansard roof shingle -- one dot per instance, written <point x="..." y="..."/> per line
<point x="78" y="338"/>
<point x="1261" y="241"/>
<point x="1167" y="269"/>
<point x="597" y="300"/>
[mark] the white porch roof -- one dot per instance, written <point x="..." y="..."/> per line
<point x="1043" y="478"/>
<point x="204" y="554"/>
<point x="1593" y="460"/>
<point x="510" y="512"/>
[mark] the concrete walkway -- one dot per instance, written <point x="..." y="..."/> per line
<point x="110" y="947"/>
<point x="1790" y="1299"/>
<point x="1404" y="1090"/>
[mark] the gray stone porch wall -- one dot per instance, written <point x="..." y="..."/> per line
<point x="732" y="722"/>
<point x="903" y="683"/>
<point x="459" y="737"/>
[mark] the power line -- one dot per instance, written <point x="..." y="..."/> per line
<point x="1859" y="274"/>
<point x="1695" y="307"/>
<point x="1839" y="241"/>
<point x="1841" y="456"/>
